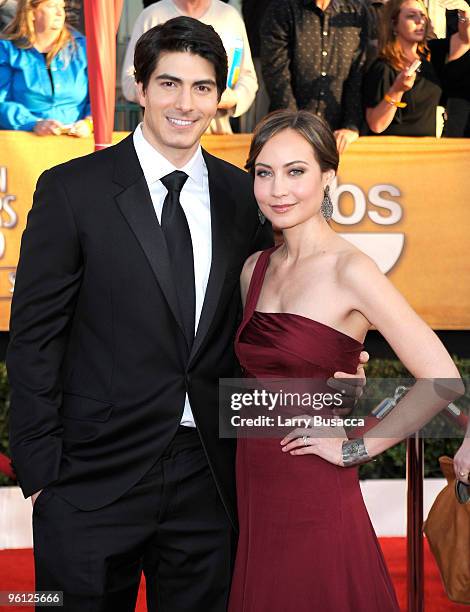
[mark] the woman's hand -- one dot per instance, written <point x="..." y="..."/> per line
<point x="46" y="127"/>
<point x="462" y="462"/>
<point x="403" y="82"/>
<point x="81" y="129"/>
<point x="325" y="442"/>
<point x="344" y="138"/>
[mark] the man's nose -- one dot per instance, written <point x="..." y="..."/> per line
<point x="184" y="101"/>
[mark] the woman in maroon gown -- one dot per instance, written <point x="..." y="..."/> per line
<point x="306" y="542"/>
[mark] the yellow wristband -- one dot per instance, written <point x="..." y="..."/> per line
<point x="393" y="102"/>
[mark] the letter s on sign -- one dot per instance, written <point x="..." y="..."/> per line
<point x="393" y="207"/>
<point x="359" y="199"/>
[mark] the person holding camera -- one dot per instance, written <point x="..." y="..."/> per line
<point x="402" y="88"/>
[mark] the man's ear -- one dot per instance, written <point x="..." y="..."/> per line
<point x="140" y="93"/>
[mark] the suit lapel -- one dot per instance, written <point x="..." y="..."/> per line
<point x="222" y="214"/>
<point x="136" y="205"/>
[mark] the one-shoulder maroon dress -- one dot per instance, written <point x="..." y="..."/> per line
<point x="306" y="542"/>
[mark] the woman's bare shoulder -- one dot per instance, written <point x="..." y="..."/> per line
<point x="355" y="269"/>
<point x="247" y="273"/>
<point x="248" y="267"/>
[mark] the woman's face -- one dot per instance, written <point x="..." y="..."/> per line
<point x="49" y="16"/>
<point x="289" y="183"/>
<point x="411" y="22"/>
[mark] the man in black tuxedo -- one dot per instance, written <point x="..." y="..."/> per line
<point x="119" y="334"/>
<point x="108" y="376"/>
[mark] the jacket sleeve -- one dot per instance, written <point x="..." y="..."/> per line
<point x="276" y="41"/>
<point x="46" y="289"/>
<point x="13" y="114"/>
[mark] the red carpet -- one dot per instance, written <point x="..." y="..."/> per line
<point x="16" y="574"/>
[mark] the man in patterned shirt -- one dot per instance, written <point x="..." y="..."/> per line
<point x="312" y="55"/>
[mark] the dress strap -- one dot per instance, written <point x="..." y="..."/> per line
<point x="256" y="282"/>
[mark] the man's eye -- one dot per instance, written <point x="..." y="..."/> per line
<point x="167" y="83"/>
<point x="203" y="88"/>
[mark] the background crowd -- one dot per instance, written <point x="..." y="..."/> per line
<point x="366" y="66"/>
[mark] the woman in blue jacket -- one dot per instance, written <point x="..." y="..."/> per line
<point x="43" y="72"/>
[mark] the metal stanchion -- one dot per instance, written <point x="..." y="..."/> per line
<point x="415" y="558"/>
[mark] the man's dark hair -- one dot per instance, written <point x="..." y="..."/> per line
<point x="181" y="34"/>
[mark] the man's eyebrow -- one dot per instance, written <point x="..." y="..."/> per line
<point x="175" y="79"/>
<point x="297" y="161"/>
<point x="205" y="82"/>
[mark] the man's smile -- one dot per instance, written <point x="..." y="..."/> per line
<point x="181" y="123"/>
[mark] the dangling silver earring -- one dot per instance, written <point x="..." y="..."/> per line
<point x="327" y="204"/>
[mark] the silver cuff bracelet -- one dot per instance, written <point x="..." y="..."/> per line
<point x="354" y="452"/>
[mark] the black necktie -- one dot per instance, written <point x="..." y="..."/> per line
<point x="180" y="248"/>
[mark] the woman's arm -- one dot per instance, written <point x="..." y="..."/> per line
<point x="13" y="115"/>
<point x="460" y="41"/>
<point x="381" y="116"/>
<point x="462" y="458"/>
<point x="417" y="347"/>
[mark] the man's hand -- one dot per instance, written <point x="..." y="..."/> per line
<point x="344" y="138"/>
<point x="34" y="497"/>
<point x="350" y="385"/>
<point x="228" y="99"/>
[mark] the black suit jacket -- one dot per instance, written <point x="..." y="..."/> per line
<point x="98" y="362"/>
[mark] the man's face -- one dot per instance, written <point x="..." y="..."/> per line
<point x="180" y="101"/>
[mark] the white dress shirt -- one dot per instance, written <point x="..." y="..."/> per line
<point x="195" y="202"/>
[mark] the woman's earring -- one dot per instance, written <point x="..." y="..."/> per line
<point x="327" y="204"/>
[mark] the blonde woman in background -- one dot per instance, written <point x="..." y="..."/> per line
<point x="43" y="72"/>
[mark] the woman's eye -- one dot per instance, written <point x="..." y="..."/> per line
<point x="262" y="173"/>
<point x="296" y="171"/>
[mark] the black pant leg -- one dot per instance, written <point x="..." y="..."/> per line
<point x="194" y="546"/>
<point x="173" y="518"/>
<point x="95" y="557"/>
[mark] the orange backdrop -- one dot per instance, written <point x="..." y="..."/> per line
<point x="402" y="200"/>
